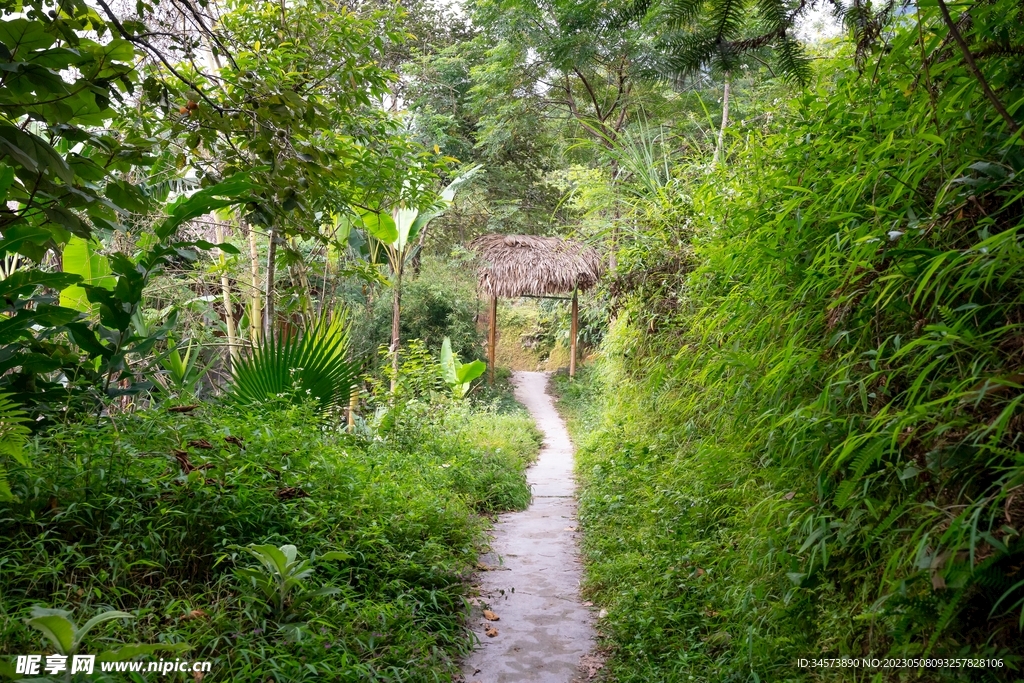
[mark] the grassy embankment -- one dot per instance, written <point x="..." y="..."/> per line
<point x="147" y="513"/>
<point x="804" y="436"/>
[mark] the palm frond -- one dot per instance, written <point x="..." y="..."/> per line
<point x="311" y="364"/>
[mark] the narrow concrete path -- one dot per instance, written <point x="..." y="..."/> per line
<point x="530" y="579"/>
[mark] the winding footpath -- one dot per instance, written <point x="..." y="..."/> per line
<point x="530" y="578"/>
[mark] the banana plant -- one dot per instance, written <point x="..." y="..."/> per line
<point x="281" y="577"/>
<point x="398" y="231"/>
<point x="182" y="374"/>
<point x="457" y="375"/>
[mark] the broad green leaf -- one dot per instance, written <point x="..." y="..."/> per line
<point x="127" y="196"/>
<point x="99" y="619"/>
<point x="470" y="371"/>
<point x="19" y="238"/>
<point x="22" y="36"/>
<point x="449" y="371"/>
<point x="339" y="555"/>
<point x="56" y="626"/>
<point x="272" y="557"/>
<point x="82" y="258"/>
<point x="381" y="226"/>
<point x="23" y="282"/>
<point x="404" y="220"/>
<point x="237" y="189"/>
<point x="132" y="651"/>
<point x="6" y="180"/>
<point x="33" y="153"/>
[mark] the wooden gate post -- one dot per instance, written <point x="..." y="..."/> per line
<point x="573" y="333"/>
<point x="492" y="341"/>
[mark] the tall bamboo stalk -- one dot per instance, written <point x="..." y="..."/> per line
<point x="719" y="148"/>
<point x="268" y="314"/>
<point x="396" y="320"/>
<point x="225" y="289"/>
<point x="255" y="305"/>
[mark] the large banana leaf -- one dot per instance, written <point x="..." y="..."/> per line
<point x="312" y="364"/>
<point x="82" y="257"/>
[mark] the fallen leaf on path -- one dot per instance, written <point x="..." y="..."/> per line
<point x="588" y="604"/>
<point x="570" y="528"/>
<point x="490" y="631"/>
<point x="591" y="664"/>
<point x="491" y="616"/>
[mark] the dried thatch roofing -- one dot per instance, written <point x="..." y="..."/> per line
<point x="526" y="265"/>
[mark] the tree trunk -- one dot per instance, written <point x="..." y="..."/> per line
<point x="268" y="315"/>
<point x="225" y="288"/>
<point x="975" y="71"/>
<point x="396" y="318"/>
<point x="574" y="333"/>
<point x="255" y="305"/>
<point x="613" y="260"/>
<point x="492" y="340"/>
<point x="720" y="147"/>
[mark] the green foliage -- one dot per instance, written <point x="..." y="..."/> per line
<point x="182" y="376"/>
<point x="308" y="364"/>
<point x="440" y="302"/>
<point x="60" y="631"/>
<point x="804" y="437"/>
<point x="458" y="376"/>
<point x="13" y="437"/>
<point x="144" y="519"/>
<point x="281" y="577"/>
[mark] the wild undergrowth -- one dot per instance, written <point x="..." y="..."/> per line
<point x="151" y="513"/>
<point x="803" y="437"/>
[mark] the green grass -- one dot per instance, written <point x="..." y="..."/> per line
<point x="108" y="518"/>
<point x="803" y="437"/>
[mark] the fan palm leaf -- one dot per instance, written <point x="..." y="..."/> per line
<point x="312" y="364"/>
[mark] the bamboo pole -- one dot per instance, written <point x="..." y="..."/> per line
<point x="255" y="305"/>
<point x="573" y="333"/>
<point x="268" y="295"/>
<point x="225" y="288"/>
<point x="353" y="402"/>
<point x="492" y="342"/>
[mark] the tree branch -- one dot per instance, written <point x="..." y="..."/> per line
<point x="973" y="68"/>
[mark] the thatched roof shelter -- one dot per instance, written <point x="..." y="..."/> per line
<point x="527" y="265"/>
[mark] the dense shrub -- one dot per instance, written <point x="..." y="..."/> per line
<point x="145" y="512"/>
<point x="439" y="302"/>
<point x="805" y="434"/>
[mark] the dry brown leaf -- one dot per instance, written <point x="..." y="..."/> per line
<point x="491" y="616"/>
<point x="490" y="631"/>
<point x="194" y="614"/>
